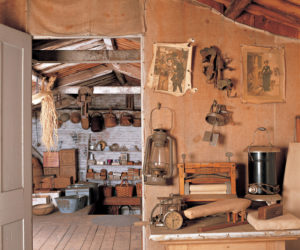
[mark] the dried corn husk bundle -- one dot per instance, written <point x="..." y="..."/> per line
<point x="48" y="117"/>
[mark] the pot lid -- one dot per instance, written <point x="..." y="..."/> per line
<point x="265" y="149"/>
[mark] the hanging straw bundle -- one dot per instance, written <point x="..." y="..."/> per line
<point x="48" y="117"/>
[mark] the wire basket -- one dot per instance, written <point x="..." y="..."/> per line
<point x="124" y="189"/>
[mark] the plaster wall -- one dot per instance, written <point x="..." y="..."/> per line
<point x="176" y="21"/>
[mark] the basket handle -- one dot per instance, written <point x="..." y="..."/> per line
<point x="124" y="181"/>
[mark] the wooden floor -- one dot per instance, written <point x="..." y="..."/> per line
<point x="77" y="231"/>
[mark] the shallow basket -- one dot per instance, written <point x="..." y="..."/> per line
<point x="124" y="189"/>
<point x="43" y="209"/>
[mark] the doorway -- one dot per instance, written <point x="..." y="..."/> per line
<point x="106" y="157"/>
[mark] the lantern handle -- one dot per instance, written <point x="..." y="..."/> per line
<point x="159" y="107"/>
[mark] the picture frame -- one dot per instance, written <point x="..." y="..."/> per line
<point x="170" y="71"/>
<point x="263" y="70"/>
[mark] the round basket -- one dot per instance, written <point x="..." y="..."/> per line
<point x="124" y="189"/>
<point x="126" y="119"/>
<point x="64" y="117"/>
<point x="75" y="117"/>
<point x="110" y="120"/>
<point x="43" y="209"/>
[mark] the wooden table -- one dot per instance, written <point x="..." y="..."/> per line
<point x="243" y="237"/>
<point x="117" y="202"/>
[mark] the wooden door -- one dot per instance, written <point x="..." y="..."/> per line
<point x="15" y="144"/>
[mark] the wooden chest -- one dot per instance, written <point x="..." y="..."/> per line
<point x="51" y="159"/>
<point x="62" y="182"/>
<point x="67" y="157"/>
<point x="69" y="171"/>
<point x="51" y="171"/>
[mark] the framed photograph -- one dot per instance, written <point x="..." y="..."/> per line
<point x="170" y="70"/>
<point x="263" y="74"/>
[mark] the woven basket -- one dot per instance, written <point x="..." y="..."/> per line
<point x="124" y="189"/>
<point x="110" y="120"/>
<point x="139" y="189"/>
<point x="126" y="119"/>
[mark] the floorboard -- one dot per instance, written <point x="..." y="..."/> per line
<point x="78" y="231"/>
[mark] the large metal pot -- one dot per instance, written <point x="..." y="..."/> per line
<point x="262" y="168"/>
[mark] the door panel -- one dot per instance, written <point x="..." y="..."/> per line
<point x="11" y="232"/>
<point x="15" y="144"/>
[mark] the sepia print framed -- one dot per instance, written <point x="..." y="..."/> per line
<point x="170" y="70"/>
<point x="263" y="74"/>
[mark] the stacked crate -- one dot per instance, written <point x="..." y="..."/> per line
<point x="68" y="163"/>
<point x="51" y="163"/>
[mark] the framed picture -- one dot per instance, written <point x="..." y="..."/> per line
<point x="170" y="70"/>
<point x="263" y="74"/>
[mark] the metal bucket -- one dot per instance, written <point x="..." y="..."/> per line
<point x="262" y="168"/>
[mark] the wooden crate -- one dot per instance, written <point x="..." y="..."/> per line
<point x="67" y="157"/>
<point x="62" y="182"/>
<point x="52" y="171"/>
<point x="68" y="171"/>
<point x="51" y="159"/>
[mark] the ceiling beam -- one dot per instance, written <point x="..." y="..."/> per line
<point x="83" y="75"/>
<point x="111" y="45"/>
<point x="128" y="69"/>
<point x="103" y="90"/>
<point x="236" y="7"/>
<point x="86" y="56"/>
<point x="279" y="5"/>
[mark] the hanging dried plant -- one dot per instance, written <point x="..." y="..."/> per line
<point x="48" y="117"/>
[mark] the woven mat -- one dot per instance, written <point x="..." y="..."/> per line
<point x="115" y="220"/>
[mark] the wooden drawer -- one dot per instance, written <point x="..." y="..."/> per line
<point x="51" y="171"/>
<point x="67" y="157"/>
<point x="51" y="159"/>
<point x="68" y="171"/>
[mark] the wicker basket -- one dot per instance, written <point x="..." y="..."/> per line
<point x="43" y="209"/>
<point x="110" y="120"/>
<point x="126" y="119"/>
<point x="124" y="189"/>
<point x="139" y="189"/>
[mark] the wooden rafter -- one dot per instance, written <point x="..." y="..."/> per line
<point x="84" y="75"/>
<point x="236" y="7"/>
<point x="104" y="90"/>
<point x="285" y="7"/>
<point x="111" y="45"/>
<point x="86" y="56"/>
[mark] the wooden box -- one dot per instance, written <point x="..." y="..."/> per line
<point x="51" y="159"/>
<point x="268" y="212"/>
<point x="68" y="171"/>
<point x="62" y="182"/>
<point x="52" y="171"/>
<point x="67" y="157"/>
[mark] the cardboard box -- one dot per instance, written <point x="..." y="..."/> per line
<point x="40" y="199"/>
<point x="67" y="157"/>
<point x="68" y="171"/>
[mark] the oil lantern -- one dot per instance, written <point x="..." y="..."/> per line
<point x="262" y="168"/>
<point x="158" y="162"/>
